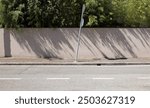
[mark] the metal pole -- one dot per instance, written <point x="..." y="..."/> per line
<point x="81" y="25"/>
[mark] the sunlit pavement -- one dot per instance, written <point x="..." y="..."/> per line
<point x="74" y="78"/>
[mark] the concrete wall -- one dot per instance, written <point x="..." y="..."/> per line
<point x="62" y="42"/>
<point x="2" y="43"/>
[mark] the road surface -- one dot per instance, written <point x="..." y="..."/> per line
<point x="74" y="78"/>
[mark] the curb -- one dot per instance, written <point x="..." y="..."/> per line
<point x="72" y="63"/>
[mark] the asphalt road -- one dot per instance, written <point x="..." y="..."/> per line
<point x="74" y="78"/>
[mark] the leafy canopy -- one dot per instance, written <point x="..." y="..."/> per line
<point x="66" y="13"/>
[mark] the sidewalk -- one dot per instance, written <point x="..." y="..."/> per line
<point x="40" y="61"/>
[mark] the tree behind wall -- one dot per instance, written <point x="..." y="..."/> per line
<point x="66" y="13"/>
<point x="41" y="13"/>
<point x="131" y="13"/>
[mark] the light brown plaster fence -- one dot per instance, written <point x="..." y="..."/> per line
<point x="62" y="42"/>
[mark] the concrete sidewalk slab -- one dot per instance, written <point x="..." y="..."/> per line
<point x="53" y="61"/>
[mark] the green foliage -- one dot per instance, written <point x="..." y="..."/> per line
<point x="11" y="13"/>
<point x="137" y="13"/>
<point x="1" y="16"/>
<point x="132" y="13"/>
<point x="41" y="13"/>
<point x="99" y="12"/>
<point x="67" y="13"/>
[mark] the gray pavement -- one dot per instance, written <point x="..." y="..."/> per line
<point x="74" y="78"/>
<point x="53" y="61"/>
